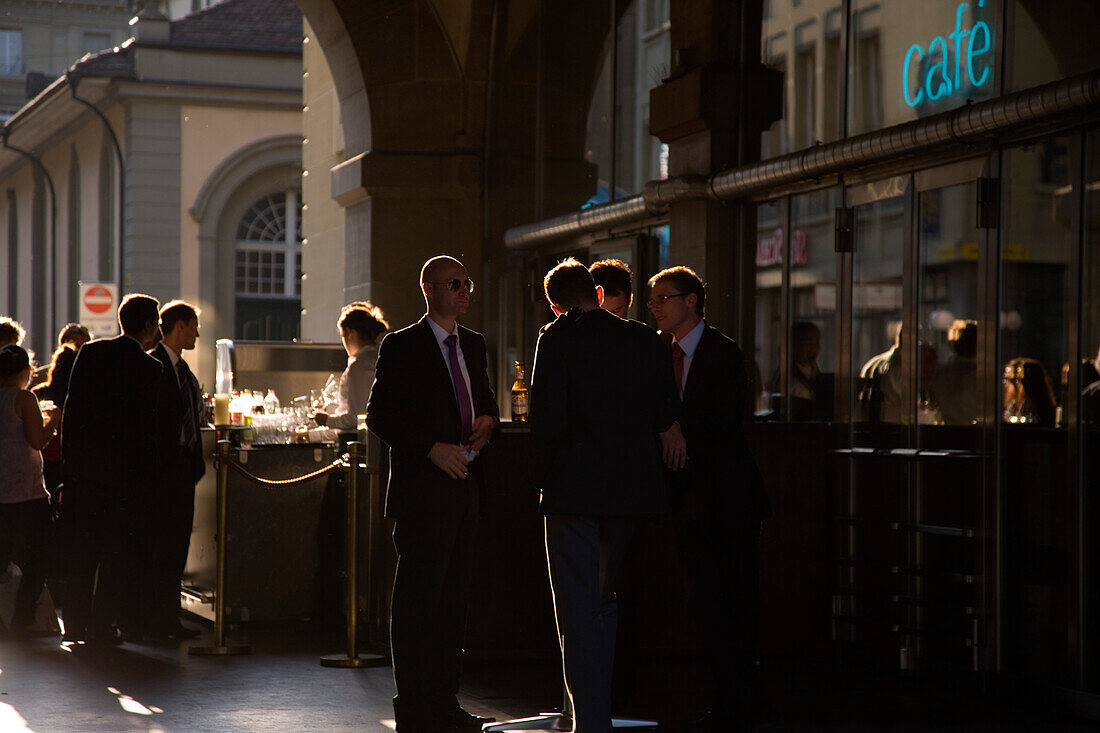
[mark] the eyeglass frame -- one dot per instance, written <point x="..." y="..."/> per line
<point x="662" y="299"/>
<point x="454" y="284"/>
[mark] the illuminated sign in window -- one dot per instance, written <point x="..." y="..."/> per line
<point x="946" y="67"/>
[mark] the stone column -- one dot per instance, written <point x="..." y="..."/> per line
<point x="711" y="112"/>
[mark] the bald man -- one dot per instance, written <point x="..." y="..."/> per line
<point x="432" y="403"/>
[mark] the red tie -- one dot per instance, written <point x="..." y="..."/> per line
<point x="678" y="367"/>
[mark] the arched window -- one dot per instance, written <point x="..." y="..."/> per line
<point x="269" y="268"/>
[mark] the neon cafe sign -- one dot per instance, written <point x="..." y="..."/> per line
<point x="943" y="69"/>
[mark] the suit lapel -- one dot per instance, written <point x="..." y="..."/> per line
<point x="441" y="371"/>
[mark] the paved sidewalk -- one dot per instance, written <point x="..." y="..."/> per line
<point x="282" y="687"/>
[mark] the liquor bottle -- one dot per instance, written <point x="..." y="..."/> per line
<point x="519" y="396"/>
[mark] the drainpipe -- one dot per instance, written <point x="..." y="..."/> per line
<point x="53" y="225"/>
<point x="74" y="78"/>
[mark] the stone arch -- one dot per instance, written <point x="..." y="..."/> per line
<point x="347" y="73"/>
<point x="264" y="166"/>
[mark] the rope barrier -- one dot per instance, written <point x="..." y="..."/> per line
<point x="340" y="462"/>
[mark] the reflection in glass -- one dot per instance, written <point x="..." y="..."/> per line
<point x="802" y="38"/>
<point x="880" y="386"/>
<point x="1035" y="255"/>
<point x="914" y="59"/>
<point x="1039" y="505"/>
<point x="947" y="362"/>
<point x="813" y="305"/>
<point x="643" y="61"/>
<point x="770" y="244"/>
<point x="1049" y="41"/>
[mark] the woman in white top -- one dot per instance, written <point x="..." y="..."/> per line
<point x="362" y="326"/>
<point x="24" y="502"/>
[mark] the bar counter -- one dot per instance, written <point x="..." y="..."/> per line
<point x="276" y="534"/>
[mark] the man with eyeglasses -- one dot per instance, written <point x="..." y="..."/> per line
<point x="720" y="496"/>
<point x="432" y="403"/>
<point x="591" y="365"/>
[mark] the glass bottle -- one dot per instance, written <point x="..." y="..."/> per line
<point x="519" y="396"/>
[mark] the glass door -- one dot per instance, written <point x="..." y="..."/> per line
<point x="947" y="503"/>
<point x="914" y="506"/>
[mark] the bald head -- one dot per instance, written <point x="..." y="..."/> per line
<point x="434" y="268"/>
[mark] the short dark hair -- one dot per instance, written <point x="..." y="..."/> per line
<point x="613" y="275"/>
<point x="569" y="284"/>
<point x="10" y="331"/>
<point x="71" y="332"/>
<point x="13" y="359"/>
<point x="176" y="311"/>
<point x="365" y="318"/>
<point x="684" y="280"/>
<point x="136" y="310"/>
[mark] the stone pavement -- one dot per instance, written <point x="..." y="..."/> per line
<point x="281" y="687"/>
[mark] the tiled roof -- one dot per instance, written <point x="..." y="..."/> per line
<point x="114" y="62"/>
<point x="244" y="25"/>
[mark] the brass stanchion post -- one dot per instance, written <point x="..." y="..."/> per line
<point x="220" y="648"/>
<point x="351" y="544"/>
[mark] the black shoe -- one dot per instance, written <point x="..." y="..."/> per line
<point x="420" y="725"/>
<point x="465" y="721"/>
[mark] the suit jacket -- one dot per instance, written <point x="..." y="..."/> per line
<point x="721" y="475"/>
<point x="169" y="420"/>
<point x="413" y="406"/>
<point x="601" y="390"/>
<point x="108" y="418"/>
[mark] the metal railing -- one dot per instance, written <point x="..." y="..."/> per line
<point x="353" y="462"/>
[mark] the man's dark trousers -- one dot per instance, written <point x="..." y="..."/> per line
<point x="169" y="547"/>
<point x="428" y="608"/>
<point x="585" y="607"/>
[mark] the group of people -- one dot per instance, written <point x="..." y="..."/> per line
<point x="122" y="453"/>
<point x="949" y="393"/>
<point x="676" y="398"/>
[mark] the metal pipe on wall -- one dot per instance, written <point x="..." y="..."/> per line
<point x="73" y="78"/>
<point x="974" y="123"/>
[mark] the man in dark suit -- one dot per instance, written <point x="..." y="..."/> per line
<point x="180" y="464"/>
<point x="592" y="366"/>
<point x="719" y="494"/>
<point x="108" y="460"/>
<point x="432" y="403"/>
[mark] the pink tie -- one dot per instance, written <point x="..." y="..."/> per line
<point x="462" y="395"/>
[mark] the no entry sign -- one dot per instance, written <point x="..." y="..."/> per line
<point x="99" y="308"/>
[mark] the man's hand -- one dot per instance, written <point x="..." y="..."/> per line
<point x="449" y="458"/>
<point x="321" y="418"/>
<point x="479" y="436"/>
<point x="673" y="447"/>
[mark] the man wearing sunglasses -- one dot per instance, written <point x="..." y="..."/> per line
<point x="432" y="403"/>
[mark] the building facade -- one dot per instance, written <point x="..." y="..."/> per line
<point x="911" y="182"/>
<point x="206" y="115"/>
<point x="39" y="40"/>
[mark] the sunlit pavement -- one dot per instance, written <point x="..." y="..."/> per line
<point x="281" y="686"/>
